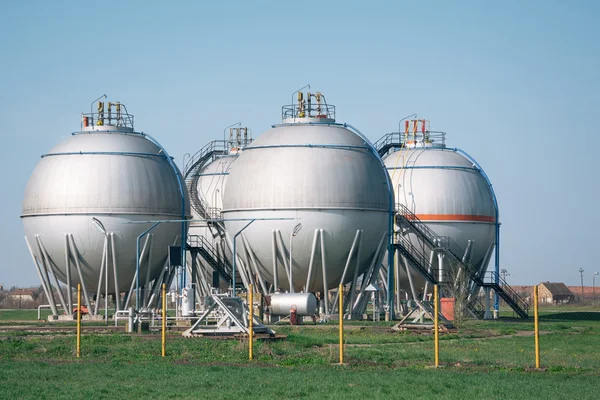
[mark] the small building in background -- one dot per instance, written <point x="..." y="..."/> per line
<point x="554" y="293"/>
<point x="21" y="295"/>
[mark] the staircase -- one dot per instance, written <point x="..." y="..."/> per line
<point x="192" y="169"/>
<point x="210" y="255"/>
<point x="420" y="261"/>
<point x="512" y="298"/>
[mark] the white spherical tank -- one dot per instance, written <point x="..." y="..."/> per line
<point x="316" y="177"/>
<point x="448" y="192"/>
<point x="89" y="187"/>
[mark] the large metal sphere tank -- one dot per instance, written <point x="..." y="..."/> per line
<point x="315" y="173"/>
<point x="115" y="175"/>
<point x="446" y="191"/>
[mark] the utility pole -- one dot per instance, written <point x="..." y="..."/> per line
<point x="504" y="273"/>
<point x="581" y="273"/>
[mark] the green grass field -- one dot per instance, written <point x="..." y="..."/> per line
<point x="485" y="359"/>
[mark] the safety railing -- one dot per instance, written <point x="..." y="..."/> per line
<point x="506" y="291"/>
<point x="107" y="119"/>
<point x="220" y="264"/>
<point x="433" y="239"/>
<point x="216" y="147"/>
<point x="418" y="258"/>
<point x="397" y="140"/>
<point x="309" y="111"/>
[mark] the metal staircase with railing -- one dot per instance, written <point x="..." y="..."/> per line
<point x="192" y="169"/>
<point x="507" y="293"/>
<point x="433" y="241"/>
<point x="210" y="255"/>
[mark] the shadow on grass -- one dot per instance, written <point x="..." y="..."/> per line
<point x="572" y="316"/>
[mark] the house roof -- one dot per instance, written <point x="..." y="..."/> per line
<point x="21" y="292"/>
<point x="557" y="288"/>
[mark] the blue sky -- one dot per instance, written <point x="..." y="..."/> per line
<point x="515" y="84"/>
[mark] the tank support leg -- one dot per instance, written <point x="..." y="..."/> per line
<point x="115" y="270"/>
<point x="370" y="276"/>
<point x="431" y="258"/>
<point x="261" y="281"/>
<point x="408" y="270"/>
<point x="49" y="272"/>
<point x="352" y="292"/>
<point x="100" y="276"/>
<point x="75" y="255"/>
<point x="284" y="255"/>
<point x="274" y="255"/>
<point x="69" y="283"/>
<point x="150" y="241"/>
<point x="324" y="269"/>
<point x="40" y="275"/>
<point x="312" y="260"/>
<point x="350" y="254"/>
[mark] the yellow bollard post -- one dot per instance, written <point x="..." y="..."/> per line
<point x="341" y="298"/>
<point x="164" y="319"/>
<point x="250" y="322"/>
<point x="78" y="319"/>
<point x="436" y="325"/>
<point x="536" y="326"/>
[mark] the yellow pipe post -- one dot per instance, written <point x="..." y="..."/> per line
<point x="78" y="319"/>
<point x="164" y="319"/>
<point x="250" y="322"/>
<point x="536" y="326"/>
<point x="341" y="297"/>
<point x="436" y="323"/>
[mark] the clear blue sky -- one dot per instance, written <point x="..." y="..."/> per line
<point x="514" y="83"/>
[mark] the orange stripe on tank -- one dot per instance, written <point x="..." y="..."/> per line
<point x="455" y="217"/>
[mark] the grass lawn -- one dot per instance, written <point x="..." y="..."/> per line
<point x="486" y="359"/>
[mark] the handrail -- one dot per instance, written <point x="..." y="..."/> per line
<point x="322" y="110"/>
<point x="508" y="290"/>
<point x="400" y="140"/>
<point x="421" y="261"/>
<point x="120" y="119"/>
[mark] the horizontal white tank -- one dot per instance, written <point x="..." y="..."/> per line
<point x="305" y="304"/>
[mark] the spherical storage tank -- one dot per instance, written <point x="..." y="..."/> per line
<point x="446" y="191"/>
<point x="316" y="176"/>
<point x="87" y="188"/>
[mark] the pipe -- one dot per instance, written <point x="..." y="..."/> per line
<point x="79" y="319"/>
<point x="235" y="254"/>
<point x="251" y="322"/>
<point x="137" y="265"/>
<point x="436" y="324"/>
<point x="164" y="320"/>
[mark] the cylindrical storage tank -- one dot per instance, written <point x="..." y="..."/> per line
<point x="447" y="192"/>
<point x="307" y="177"/>
<point x="88" y="188"/>
<point x="305" y="304"/>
